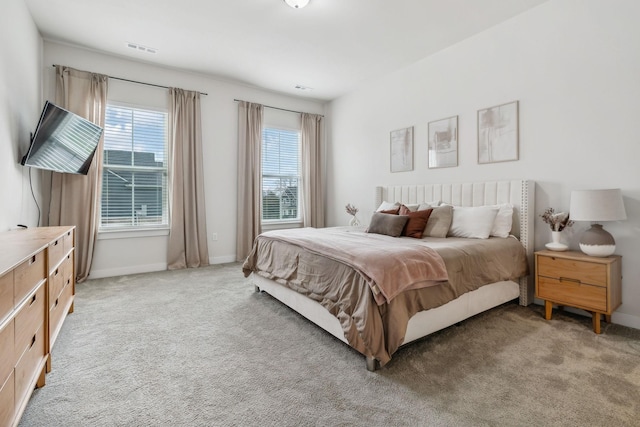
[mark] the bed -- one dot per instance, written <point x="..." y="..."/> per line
<point x="377" y="327"/>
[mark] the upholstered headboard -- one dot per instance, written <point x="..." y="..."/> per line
<point x="519" y="193"/>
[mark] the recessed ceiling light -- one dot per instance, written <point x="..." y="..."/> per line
<point x="297" y="4"/>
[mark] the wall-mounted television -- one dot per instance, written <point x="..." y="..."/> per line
<point x="62" y="142"/>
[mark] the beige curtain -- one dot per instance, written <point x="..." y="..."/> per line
<point x="75" y="199"/>
<point x="249" y="177"/>
<point x="188" y="232"/>
<point x="312" y="171"/>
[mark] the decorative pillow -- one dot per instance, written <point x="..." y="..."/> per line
<point x="416" y="224"/>
<point x="391" y="211"/>
<point x="439" y="222"/>
<point x="426" y="205"/>
<point x="473" y="222"/>
<point x="391" y="225"/>
<point x="385" y="206"/>
<point x="504" y="220"/>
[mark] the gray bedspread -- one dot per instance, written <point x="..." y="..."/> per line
<point x="374" y="329"/>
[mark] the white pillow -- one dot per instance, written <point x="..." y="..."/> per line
<point x="473" y="222"/>
<point x="504" y="220"/>
<point x="386" y="206"/>
<point x="414" y="207"/>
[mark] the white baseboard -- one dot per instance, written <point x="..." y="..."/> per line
<point x="123" y="271"/>
<point x="222" y="259"/>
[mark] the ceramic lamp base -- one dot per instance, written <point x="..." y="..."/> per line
<point x="597" y="242"/>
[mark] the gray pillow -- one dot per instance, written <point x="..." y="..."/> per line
<point x="439" y="222"/>
<point x="388" y="224"/>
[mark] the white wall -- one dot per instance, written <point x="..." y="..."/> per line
<point x="20" y="105"/>
<point x="219" y="129"/>
<point x="574" y="66"/>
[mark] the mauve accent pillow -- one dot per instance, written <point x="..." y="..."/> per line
<point x="439" y="222"/>
<point x="388" y="224"/>
<point x="416" y="224"/>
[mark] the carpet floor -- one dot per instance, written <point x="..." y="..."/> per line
<point x="199" y="347"/>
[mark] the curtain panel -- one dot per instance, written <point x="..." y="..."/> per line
<point x="312" y="171"/>
<point x="187" y="245"/>
<point x="249" y="205"/>
<point x="75" y="199"/>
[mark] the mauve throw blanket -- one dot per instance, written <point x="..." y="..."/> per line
<point x="389" y="266"/>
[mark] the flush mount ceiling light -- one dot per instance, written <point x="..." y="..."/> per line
<point x="297" y="4"/>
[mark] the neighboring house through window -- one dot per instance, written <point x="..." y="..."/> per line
<point x="280" y="175"/>
<point x="134" y="177"/>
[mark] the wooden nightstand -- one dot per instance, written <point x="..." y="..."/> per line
<point x="578" y="280"/>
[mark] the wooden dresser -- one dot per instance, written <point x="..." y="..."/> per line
<point x="37" y="288"/>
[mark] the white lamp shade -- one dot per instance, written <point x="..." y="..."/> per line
<point x="597" y="205"/>
<point x="297" y="4"/>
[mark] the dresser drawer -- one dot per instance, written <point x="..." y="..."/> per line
<point x="56" y="284"/>
<point x="56" y="251"/>
<point x="27" y="275"/>
<point x="28" y="321"/>
<point x="7" y="405"/>
<point x="573" y="293"/>
<point x="58" y="311"/>
<point x="68" y="241"/>
<point x="585" y="272"/>
<point x="6" y="295"/>
<point x="7" y="358"/>
<point x="27" y="368"/>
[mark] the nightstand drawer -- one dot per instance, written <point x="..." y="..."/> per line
<point x="573" y="293"/>
<point x="585" y="272"/>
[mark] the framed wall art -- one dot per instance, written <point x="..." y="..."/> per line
<point x="498" y="133"/>
<point x="443" y="143"/>
<point x="402" y="150"/>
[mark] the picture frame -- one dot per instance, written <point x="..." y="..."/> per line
<point x="443" y="143"/>
<point x="401" y="150"/>
<point x="498" y="133"/>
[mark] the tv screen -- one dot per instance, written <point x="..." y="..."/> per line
<point x="63" y="142"/>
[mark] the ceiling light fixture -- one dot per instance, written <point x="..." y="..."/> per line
<point x="297" y="4"/>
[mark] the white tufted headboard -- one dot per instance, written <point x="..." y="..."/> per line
<point x="520" y="193"/>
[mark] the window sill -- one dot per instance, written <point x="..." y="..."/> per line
<point x="279" y="225"/>
<point x="106" y="234"/>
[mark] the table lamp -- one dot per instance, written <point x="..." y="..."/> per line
<point x="597" y="206"/>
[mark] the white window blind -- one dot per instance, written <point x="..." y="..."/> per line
<point x="134" y="177"/>
<point x="280" y="175"/>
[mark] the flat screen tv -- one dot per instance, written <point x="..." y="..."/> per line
<point x="62" y="142"/>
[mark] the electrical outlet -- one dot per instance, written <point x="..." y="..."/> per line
<point x="214" y="237"/>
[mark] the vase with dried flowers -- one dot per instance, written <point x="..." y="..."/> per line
<point x="352" y="210"/>
<point x="557" y="222"/>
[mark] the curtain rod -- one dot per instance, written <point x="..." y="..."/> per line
<point x="143" y="83"/>
<point x="278" y="108"/>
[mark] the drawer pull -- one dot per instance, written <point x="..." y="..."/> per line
<point x="33" y="299"/>
<point x="568" y="279"/>
<point x="32" y="260"/>
<point x="33" y="341"/>
<point x="68" y="281"/>
<point x="55" y="243"/>
<point x="56" y="304"/>
<point x="56" y="272"/>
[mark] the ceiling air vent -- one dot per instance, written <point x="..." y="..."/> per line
<point x="141" y="48"/>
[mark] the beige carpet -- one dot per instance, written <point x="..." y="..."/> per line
<point x="199" y="348"/>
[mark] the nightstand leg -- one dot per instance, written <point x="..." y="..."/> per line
<point x="607" y="318"/>
<point x="596" y="322"/>
<point x="548" y="306"/>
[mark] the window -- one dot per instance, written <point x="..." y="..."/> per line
<point x="280" y="175"/>
<point x="134" y="176"/>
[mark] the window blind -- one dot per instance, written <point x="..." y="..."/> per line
<point x="280" y="174"/>
<point x="134" y="177"/>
